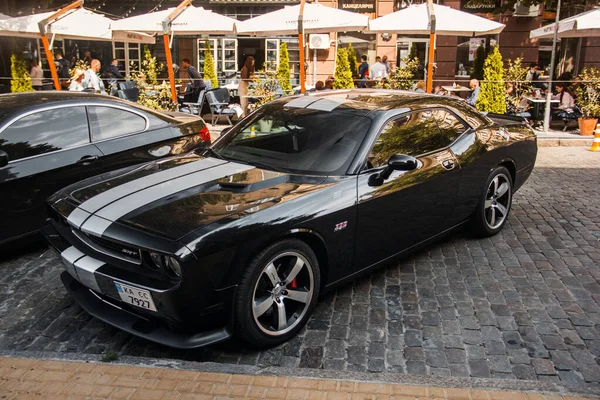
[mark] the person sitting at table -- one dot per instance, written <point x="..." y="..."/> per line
<point x="420" y="87"/>
<point x="514" y="105"/>
<point x="76" y="80"/>
<point x="320" y="85"/>
<point x="329" y="83"/>
<point x="472" y="99"/>
<point x="439" y="90"/>
<point x="566" y="109"/>
<point x="196" y="82"/>
<point x="532" y="74"/>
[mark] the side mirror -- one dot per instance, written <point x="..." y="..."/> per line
<point x="402" y="162"/>
<point x="3" y="159"/>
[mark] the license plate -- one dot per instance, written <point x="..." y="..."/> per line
<point x="135" y="296"/>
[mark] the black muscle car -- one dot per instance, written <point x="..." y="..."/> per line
<point x="49" y="140"/>
<point x="300" y="196"/>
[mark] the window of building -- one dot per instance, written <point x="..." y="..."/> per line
<point x="271" y="55"/>
<point x="44" y="132"/>
<point x="229" y="55"/>
<point x="109" y="122"/>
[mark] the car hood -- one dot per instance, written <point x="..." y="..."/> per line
<point x="173" y="197"/>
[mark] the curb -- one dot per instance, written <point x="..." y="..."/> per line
<point x="381" y="377"/>
<point x="565" y="142"/>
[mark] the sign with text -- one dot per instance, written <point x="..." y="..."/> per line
<point x="479" y="6"/>
<point x="359" y="6"/>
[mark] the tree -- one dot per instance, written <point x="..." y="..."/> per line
<point x="283" y="71"/>
<point x="209" y="66"/>
<point x="491" y="98"/>
<point x="517" y="85"/>
<point x="413" y="53"/>
<point x="21" y="81"/>
<point x="352" y="61"/>
<point x="477" y="72"/>
<point x="150" y="67"/>
<point x="343" y="75"/>
<point x="160" y="97"/>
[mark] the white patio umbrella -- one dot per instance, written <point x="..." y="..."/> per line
<point x="414" y="20"/>
<point x="185" y="19"/>
<point x="433" y="19"/>
<point x="317" y="19"/>
<point x="581" y="25"/>
<point x="191" y="21"/>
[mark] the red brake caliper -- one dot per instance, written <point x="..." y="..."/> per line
<point x="293" y="284"/>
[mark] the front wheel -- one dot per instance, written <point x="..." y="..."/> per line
<point x="494" y="207"/>
<point x="277" y="293"/>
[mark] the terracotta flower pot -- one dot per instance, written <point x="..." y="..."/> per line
<point x="587" y="126"/>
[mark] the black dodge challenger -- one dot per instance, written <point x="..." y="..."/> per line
<point x="300" y="196"/>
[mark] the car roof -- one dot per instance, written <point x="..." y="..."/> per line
<point x="366" y="101"/>
<point x="11" y="103"/>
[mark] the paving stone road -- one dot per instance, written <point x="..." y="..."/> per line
<point x="522" y="305"/>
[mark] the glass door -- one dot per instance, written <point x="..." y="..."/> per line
<point x="271" y="55"/>
<point x="229" y="63"/>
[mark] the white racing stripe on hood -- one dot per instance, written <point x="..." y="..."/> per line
<point x="101" y="200"/>
<point x="117" y="209"/>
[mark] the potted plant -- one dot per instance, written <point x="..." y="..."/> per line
<point x="587" y="99"/>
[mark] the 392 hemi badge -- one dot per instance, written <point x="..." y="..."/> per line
<point x="340" y="226"/>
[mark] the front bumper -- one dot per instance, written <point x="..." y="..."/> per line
<point x="155" y="331"/>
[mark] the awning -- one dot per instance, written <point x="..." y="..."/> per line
<point x="414" y="20"/>
<point x="317" y="19"/>
<point x="582" y="25"/>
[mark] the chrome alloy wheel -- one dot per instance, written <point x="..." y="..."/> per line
<point x="282" y="293"/>
<point x="497" y="201"/>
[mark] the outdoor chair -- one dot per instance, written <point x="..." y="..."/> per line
<point x="218" y="102"/>
<point x="132" y="94"/>
<point x="194" y="108"/>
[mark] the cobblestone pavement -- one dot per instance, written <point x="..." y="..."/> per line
<point x="523" y="305"/>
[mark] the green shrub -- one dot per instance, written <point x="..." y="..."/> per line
<point x="491" y="97"/>
<point x="402" y="78"/>
<point x="515" y="75"/>
<point x="209" y="66"/>
<point x="342" y="78"/>
<point x="587" y="92"/>
<point x="159" y="96"/>
<point x="283" y="71"/>
<point x="352" y="61"/>
<point x="21" y="81"/>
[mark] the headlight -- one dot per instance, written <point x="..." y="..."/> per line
<point x="173" y="266"/>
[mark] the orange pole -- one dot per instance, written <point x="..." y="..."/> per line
<point x="301" y="46"/>
<point x="51" y="64"/>
<point x="170" y="67"/>
<point x="430" y="62"/>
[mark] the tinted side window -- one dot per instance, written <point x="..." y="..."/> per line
<point x="109" y="122"/>
<point x="415" y="134"/>
<point x="45" y="131"/>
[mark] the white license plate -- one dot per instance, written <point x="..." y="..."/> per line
<point x="135" y="296"/>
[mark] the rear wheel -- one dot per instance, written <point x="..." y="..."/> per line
<point x="277" y="293"/>
<point x="494" y="206"/>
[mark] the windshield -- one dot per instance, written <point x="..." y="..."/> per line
<point x="297" y="140"/>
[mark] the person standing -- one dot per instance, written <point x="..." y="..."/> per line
<point x="36" y="74"/>
<point x="196" y="82"/>
<point x="363" y="72"/>
<point x="385" y="62"/>
<point x="378" y="70"/>
<point x="63" y="68"/>
<point x="112" y="74"/>
<point x="472" y="99"/>
<point x="92" y="80"/>
<point x="246" y="74"/>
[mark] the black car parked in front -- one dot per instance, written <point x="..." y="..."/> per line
<point x="50" y="140"/>
<point x="300" y="196"/>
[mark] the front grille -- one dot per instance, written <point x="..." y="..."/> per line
<point x="111" y="248"/>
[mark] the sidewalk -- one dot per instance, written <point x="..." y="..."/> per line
<point x="24" y="378"/>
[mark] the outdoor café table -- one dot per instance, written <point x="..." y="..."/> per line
<point x="538" y="104"/>
<point x="456" y="89"/>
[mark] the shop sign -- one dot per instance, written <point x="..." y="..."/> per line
<point x="359" y="6"/>
<point x="479" y="6"/>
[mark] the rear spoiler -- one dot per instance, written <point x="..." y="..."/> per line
<point x="504" y="119"/>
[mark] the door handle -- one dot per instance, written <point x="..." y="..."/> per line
<point x="448" y="164"/>
<point x="87" y="160"/>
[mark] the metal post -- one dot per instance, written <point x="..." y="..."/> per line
<point x="315" y="67"/>
<point x="431" y="57"/>
<point x="301" y="46"/>
<point x="551" y="74"/>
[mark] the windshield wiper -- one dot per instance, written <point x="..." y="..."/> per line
<point x="211" y="151"/>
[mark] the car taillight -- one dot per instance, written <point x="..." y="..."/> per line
<point x="204" y="134"/>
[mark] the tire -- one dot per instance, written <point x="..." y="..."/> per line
<point x="267" y="293"/>
<point x="494" y="205"/>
